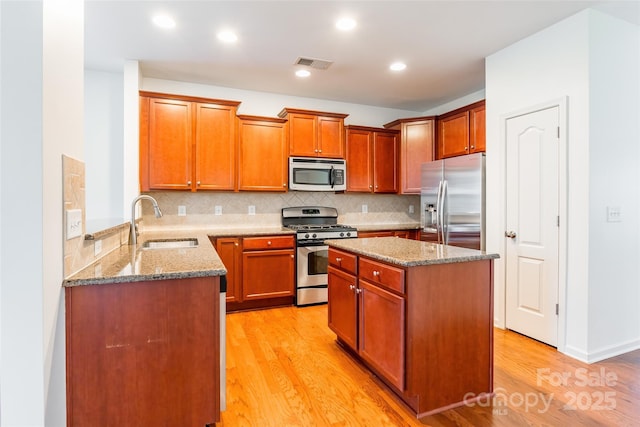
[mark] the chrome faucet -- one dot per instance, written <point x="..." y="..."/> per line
<point x="133" y="231"/>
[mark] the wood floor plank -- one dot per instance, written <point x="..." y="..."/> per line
<point x="284" y="368"/>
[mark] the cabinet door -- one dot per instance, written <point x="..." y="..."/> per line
<point x="263" y="156"/>
<point x="215" y="137"/>
<point x="267" y="274"/>
<point x="230" y="252"/>
<point x="359" y="171"/>
<point x="385" y="160"/>
<point x="382" y="332"/>
<point x="477" y="130"/>
<point x="343" y="306"/>
<point x="453" y="135"/>
<point x="169" y="145"/>
<point x="417" y="146"/>
<point x="330" y="137"/>
<point x="303" y="135"/>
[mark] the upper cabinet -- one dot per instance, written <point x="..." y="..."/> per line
<point x="262" y="148"/>
<point x="187" y="143"/>
<point x="417" y="146"/>
<point x="315" y="133"/>
<point x="462" y="131"/>
<point x="372" y="158"/>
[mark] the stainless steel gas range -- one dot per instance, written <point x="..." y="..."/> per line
<point x="314" y="225"/>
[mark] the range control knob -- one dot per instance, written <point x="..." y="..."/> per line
<point x="348" y="234"/>
<point x="342" y="234"/>
<point x="314" y="235"/>
<point x="306" y="236"/>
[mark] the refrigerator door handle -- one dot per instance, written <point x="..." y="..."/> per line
<point x="438" y="207"/>
<point x="443" y="226"/>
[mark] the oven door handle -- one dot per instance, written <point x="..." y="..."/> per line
<point x="308" y="243"/>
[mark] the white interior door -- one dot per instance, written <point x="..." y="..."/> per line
<point x="532" y="224"/>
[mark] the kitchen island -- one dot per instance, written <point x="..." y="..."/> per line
<point x="418" y="314"/>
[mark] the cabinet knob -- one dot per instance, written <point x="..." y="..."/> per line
<point x="376" y="273"/>
<point x="371" y="186"/>
<point x="269" y="243"/>
<point x="352" y="287"/>
<point x="284" y="185"/>
<point x="188" y="183"/>
<point x="473" y="146"/>
<point x="338" y="259"/>
<point x="320" y="151"/>
<point x="315" y="151"/>
<point x="358" y="291"/>
<point x="237" y="244"/>
<point x="198" y="183"/>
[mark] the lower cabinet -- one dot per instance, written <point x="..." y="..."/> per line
<point x="405" y="234"/>
<point x="260" y="270"/>
<point x="143" y="353"/>
<point x="367" y="312"/>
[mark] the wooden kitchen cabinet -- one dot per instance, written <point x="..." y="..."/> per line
<point x="315" y="133"/>
<point x="260" y="270"/>
<point x="143" y="353"/>
<point x="187" y="143"/>
<point x="229" y="250"/>
<point x="462" y="131"/>
<point x="417" y="146"/>
<point x="372" y="155"/>
<point x="405" y="234"/>
<point x="367" y="313"/>
<point x="263" y="161"/>
<point x="268" y="267"/>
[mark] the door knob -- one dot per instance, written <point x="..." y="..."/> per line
<point x="510" y="234"/>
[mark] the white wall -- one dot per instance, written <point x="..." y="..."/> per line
<point x="549" y="65"/>
<point x="270" y="104"/>
<point x="42" y="57"/>
<point x="104" y="148"/>
<point x="614" y="148"/>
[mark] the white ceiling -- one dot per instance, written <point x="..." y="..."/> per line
<point x="443" y="43"/>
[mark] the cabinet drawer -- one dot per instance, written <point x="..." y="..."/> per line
<point x="383" y="275"/>
<point x="267" y="242"/>
<point x="343" y="260"/>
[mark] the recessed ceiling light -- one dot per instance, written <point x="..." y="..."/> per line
<point x="227" y="36"/>
<point x="164" y="21"/>
<point x="303" y="73"/>
<point x="346" y="24"/>
<point x="397" y="66"/>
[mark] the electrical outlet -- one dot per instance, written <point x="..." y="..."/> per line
<point x="218" y="210"/>
<point x="252" y="210"/>
<point x="614" y="214"/>
<point x="182" y="210"/>
<point x="411" y="209"/>
<point x="97" y="247"/>
<point x="74" y="223"/>
<point x="365" y="209"/>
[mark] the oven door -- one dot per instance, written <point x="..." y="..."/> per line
<point x="312" y="278"/>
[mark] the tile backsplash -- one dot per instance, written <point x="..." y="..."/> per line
<point x="201" y="208"/>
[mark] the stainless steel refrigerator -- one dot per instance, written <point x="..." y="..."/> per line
<point x="453" y="201"/>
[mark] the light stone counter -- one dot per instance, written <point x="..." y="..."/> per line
<point x="408" y="253"/>
<point x="387" y="226"/>
<point x="134" y="264"/>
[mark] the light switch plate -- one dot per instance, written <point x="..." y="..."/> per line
<point x="614" y="214"/>
<point x="74" y="223"/>
<point x="182" y="210"/>
<point x="251" y="210"/>
<point x="411" y="209"/>
<point x="97" y="247"/>
<point x="365" y="209"/>
<point x="218" y="210"/>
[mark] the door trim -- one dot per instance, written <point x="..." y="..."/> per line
<point x="562" y="104"/>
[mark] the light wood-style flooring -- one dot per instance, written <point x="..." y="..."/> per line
<point x="284" y="368"/>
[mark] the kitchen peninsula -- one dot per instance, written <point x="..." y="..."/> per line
<point x="418" y="314"/>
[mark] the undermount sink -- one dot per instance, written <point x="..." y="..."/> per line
<point x="170" y="243"/>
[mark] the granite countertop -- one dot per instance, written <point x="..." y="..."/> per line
<point x="408" y="253"/>
<point x="134" y="264"/>
<point x="387" y="226"/>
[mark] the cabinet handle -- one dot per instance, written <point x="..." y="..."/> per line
<point x="284" y="185"/>
<point x="338" y="259"/>
<point x="198" y="183"/>
<point x="315" y="151"/>
<point x="371" y="186"/>
<point x="188" y="183"/>
<point x="291" y="256"/>
<point x="473" y="146"/>
<point x="358" y="291"/>
<point x="352" y="287"/>
<point x="376" y="273"/>
<point x="237" y="244"/>
<point x="320" y="151"/>
<point x="269" y="243"/>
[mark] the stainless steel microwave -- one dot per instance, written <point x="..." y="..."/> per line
<point x="317" y="174"/>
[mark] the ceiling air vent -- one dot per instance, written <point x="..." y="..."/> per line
<point x="318" y="64"/>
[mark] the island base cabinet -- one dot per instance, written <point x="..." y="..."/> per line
<point x="143" y="353"/>
<point x="343" y="306"/>
<point x="382" y="332"/>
